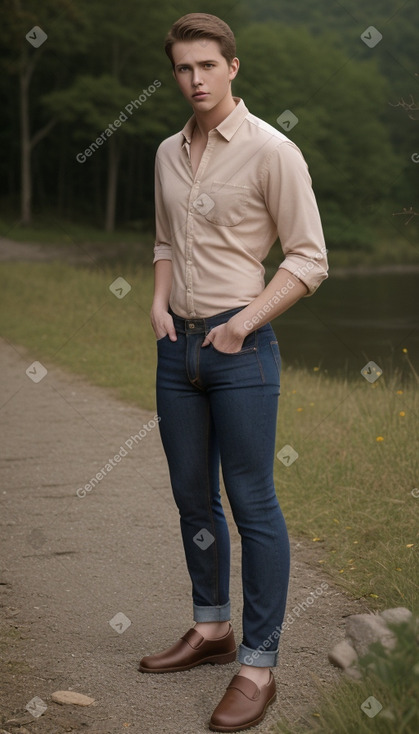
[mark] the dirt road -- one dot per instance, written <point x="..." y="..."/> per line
<point x="91" y="584"/>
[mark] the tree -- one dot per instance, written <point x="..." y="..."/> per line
<point x="340" y="104"/>
<point x="118" y="89"/>
<point x="58" y="20"/>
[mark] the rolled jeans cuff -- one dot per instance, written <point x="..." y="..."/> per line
<point x="257" y="658"/>
<point x="212" y="614"/>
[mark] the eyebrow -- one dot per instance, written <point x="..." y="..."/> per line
<point x="208" y="61"/>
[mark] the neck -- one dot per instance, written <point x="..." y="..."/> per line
<point x="206" y="121"/>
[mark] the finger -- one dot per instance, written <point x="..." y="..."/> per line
<point x="171" y="331"/>
<point x="207" y="341"/>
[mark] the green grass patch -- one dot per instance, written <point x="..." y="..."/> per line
<point x="67" y="316"/>
<point x="50" y="230"/>
<point x="350" y="490"/>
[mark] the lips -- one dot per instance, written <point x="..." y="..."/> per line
<point x="200" y="95"/>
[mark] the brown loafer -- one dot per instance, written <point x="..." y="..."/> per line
<point x="191" y="650"/>
<point x="243" y="704"/>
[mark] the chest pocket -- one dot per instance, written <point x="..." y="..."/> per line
<point x="230" y="204"/>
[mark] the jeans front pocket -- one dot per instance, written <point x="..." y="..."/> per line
<point x="249" y="345"/>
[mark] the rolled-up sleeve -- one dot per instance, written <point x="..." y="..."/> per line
<point x="292" y="205"/>
<point x="162" y="244"/>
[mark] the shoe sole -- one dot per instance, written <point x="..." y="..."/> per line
<point x="229" y="657"/>
<point x="241" y="727"/>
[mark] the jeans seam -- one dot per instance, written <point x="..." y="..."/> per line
<point x="258" y="358"/>
<point x="210" y="512"/>
<point x="272" y="344"/>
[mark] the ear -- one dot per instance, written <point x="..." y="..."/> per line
<point x="234" y="68"/>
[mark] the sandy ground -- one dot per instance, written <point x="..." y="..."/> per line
<point x="70" y="565"/>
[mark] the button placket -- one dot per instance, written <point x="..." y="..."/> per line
<point x="193" y="195"/>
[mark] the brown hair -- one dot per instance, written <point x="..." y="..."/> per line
<point x="202" y="25"/>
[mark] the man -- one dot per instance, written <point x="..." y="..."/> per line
<point x="226" y="187"/>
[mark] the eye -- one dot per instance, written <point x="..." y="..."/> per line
<point x="209" y="65"/>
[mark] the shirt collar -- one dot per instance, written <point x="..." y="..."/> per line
<point x="226" y="128"/>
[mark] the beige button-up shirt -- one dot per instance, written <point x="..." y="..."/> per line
<point x="252" y="186"/>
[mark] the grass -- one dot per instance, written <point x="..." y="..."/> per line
<point x="50" y="230"/>
<point x="68" y="316"/>
<point x="349" y="493"/>
<point x="385" y="700"/>
<point x="357" y="445"/>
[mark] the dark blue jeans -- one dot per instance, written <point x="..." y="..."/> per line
<point x="213" y="406"/>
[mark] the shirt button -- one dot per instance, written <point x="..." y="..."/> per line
<point x="189" y="262"/>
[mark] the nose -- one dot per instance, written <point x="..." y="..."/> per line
<point x="196" y="77"/>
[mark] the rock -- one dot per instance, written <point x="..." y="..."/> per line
<point x="398" y="615"/>
<point x="72" y="697"/>
<point x="343" y="655"/>
<point x="364" y="629"/>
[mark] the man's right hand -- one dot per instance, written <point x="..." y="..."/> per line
<point x="162" y="324"/>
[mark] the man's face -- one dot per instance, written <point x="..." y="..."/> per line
<point x="202" y="72"/>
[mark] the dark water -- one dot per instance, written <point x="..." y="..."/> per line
<point x="352" y="320"/>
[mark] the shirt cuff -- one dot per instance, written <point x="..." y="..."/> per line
<point x="310" y="272"/>
<point x="162" y="252"/>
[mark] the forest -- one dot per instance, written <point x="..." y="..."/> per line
<point x="89" y="94"/>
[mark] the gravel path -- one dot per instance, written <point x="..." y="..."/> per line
<point x="70" y="564"/>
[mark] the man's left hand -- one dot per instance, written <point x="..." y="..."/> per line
<point x="223" y="340"/>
